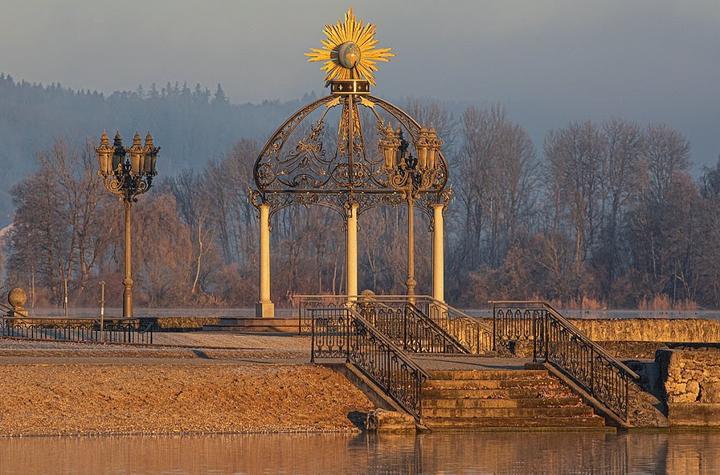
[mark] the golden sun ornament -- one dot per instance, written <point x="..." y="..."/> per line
<point x="349" y="51"/>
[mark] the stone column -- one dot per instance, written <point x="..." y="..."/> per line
<point x="265" y="307"/>
<point x="351" y="251"/>
<point x="438" y="254"/>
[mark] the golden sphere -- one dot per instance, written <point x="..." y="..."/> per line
<point x="17" y="297"/>
<point x="348" y="55"/>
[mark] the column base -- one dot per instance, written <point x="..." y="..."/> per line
<point x="265" y="310"/>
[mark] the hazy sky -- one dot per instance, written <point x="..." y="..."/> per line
<point x="548" y="62"/>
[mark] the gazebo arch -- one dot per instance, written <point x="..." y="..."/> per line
<point x="348" y="151"/>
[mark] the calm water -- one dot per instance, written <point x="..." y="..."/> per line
<point x="517" y="453"/>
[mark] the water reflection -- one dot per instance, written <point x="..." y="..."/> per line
<point x="501" y="452"/>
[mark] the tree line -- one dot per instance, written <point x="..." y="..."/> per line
<point x="192" y="123"/>
<point x="599" y="215"/>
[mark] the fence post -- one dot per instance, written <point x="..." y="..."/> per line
<point x="300" y="312"/>
<point x="592" y="370"/>
<point x="627" y="395"/>
<point x="546" y="333"/>
<point x="494" y="328"/>
<point x="348" y="326"/>
<point x="65" y="297"/>
<point x="534" y="334"/>
<point x="102" y="311"/>
<point x="405" y="319"/>
<point x="312" y="337"/>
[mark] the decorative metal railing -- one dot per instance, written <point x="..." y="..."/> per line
<point x="559" y="343"/>
<point x="136" y="330"/>
<point x="306" y="303"/>
<point x="408" y="327"/>
<point x="471" y="333"/>
<point x="341" y="332"/>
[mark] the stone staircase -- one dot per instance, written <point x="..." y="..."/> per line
<point x="518" y="399"/>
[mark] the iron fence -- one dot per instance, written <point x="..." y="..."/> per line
<point x="128" y="331"/>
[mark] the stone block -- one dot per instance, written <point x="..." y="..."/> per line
<point x="711" y="393"/>
<point x="380" y="420"/>
<point x="694" y="414"/>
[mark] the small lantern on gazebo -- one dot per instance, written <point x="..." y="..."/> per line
<point x="390" y="145"/>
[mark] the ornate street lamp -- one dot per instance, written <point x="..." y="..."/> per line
<point x="411" y="176"/>
<point x="127" y="173"/>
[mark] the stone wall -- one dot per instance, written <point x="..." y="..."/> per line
<point x="691" y="382"/>
<point x="684" y="330"/>
<point x="661" y="330"/>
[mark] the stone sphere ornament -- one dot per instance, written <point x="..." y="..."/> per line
<point x="17" y="298"/>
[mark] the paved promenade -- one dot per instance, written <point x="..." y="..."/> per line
<point x="186" y="347"/>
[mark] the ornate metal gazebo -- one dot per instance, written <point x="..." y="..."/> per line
<point x="351" y="151"/>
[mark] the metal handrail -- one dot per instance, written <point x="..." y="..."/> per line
<point x="575" y="330"/>
<point x="565" y="347"/>
<point x="349" y="335"/>
<point x="389" y="342"/>
<point x="449" y="340"/>
<point x="453" y="314"/>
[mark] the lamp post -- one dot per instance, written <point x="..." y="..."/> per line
<point x="127" y="173"/>
<point x="411" y="176"/>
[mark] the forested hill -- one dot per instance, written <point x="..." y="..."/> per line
<point x="191" y="124"/>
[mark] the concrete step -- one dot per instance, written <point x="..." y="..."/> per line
<point x="500" y="403"/>
<point x="489" y="374"/>
<point x="536" y="383"/>
<point x="502" y="393"/>
<point x="513" y="412"/>
<point x="518" y="422"/>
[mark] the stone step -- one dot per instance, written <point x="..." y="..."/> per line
<point x="513" y="412"/>
<point x="489" y="374"/>
<point x="502" y="393"/>
<point x="544" y="383"/>
<point x="500" y="403"/>
<point x="518" y="422"/>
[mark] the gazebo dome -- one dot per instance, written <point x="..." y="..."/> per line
<point x="350" y="146"/>
<point x="317" y="157"/>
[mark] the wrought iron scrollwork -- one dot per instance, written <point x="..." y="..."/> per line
<point x="303" y="165"/>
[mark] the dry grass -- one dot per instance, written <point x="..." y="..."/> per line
<point x="662" y="302"/>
